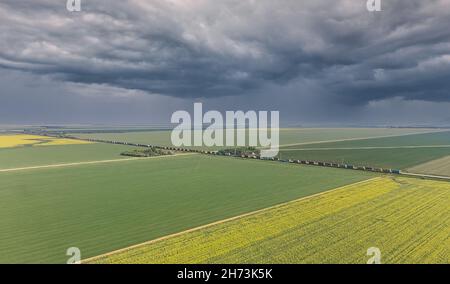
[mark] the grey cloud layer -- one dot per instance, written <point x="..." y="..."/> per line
<point x="200" y="48"/>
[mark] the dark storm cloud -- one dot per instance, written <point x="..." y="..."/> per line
<point x="200" y="48"/>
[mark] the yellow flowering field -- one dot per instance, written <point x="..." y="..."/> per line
<point x="407" y="219"/>
<point x="17" y="140"/>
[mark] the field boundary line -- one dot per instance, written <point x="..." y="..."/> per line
<point x="227" y="220"/>
<point x="367" y="148"/>
<point x="362" y="138"/>
<point x="90" y="163"/>
<point x="418" y="175"/>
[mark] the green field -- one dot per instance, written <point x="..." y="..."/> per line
<point x="394" y="152"/>
<point x="426" y="139"/>
<point x="383" y="158"/>
<point x="399" y="152"/>
<point x="102" y="207"/>
<point x="287" y="135"/>
<point x="440" y="167"/>
<point x="408" y="220"/>
<point x="36" y="156"/>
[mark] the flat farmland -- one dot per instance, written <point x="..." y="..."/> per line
<point x="383" y="158"/>
<point x="302" y="136"/>
<point x="141" y="137"/>
<point x="440" y="167"/>
<point x="391" y="152"/>
<point x="103" y="207"/>
<point x="288" y="136"/>
<point x="434" y="139"/>
<point x="407" y="219"/>
<point x="38" y="156"/>
<point x="20" y="140"/>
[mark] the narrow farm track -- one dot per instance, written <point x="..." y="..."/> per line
<point x="426" y="176"/>
<point x="367" y="148"/>
<point x="89" y="163"/>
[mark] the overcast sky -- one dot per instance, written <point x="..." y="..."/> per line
<point x="316" y="61"/>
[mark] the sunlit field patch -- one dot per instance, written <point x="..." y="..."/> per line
<point x="19" y="140"/>
<point x="434" y="167"/>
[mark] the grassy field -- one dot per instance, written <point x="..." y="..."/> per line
<point x="287" y="135"/>
<point x="103" y="207"/>
<point x="19" y="140"/>
<point x="107" y="206"/>
<point x="426" y="139"/>
<point x="394" y="152"/>
<point x="399" y="152"/>
<point x="36" y="156"/>
<point x="407" y="219"/>
<point x="383" y="158"/>
<point x="440" y="167"/>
